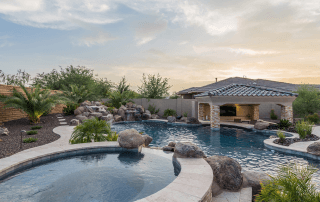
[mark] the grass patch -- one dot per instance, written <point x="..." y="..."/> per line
<point x="36" y="127"/>
<point x="30" y="139"/>
<point x="32" y="132"/>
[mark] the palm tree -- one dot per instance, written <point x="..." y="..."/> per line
<point x="34" y="103"/>
<point x="77" y="94"/>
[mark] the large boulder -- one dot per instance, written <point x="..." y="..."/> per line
<point x="74" y="122"/>
<point x="115" y="111"/>
<point x="81" y="118"/>
<point x="172" y="144"/>
<point x="168" y="148"/>
<point x="314" y="148"/>
<point x="96" y="114"/>
<point x="226" y="171"/>
<point x="171" y="119"/>
<point x="140" y="109"/>
<point x="117" y="118"/>
<point x="185" y="119"/>
<point x="109" y="117"/>
<point x="147" y="139"/>
<point x="147" y="112"/>
<point x="154" y="116"/>
<point x="89" y="109"/>
<point x="129" y="105"/>
<point x="130" y="139"/>
<point x="79" y="111"/>
<point x="261" y="125"/>
<point x="253" y="179"/>
<point x="188" y="150"/>
<point x="4" y="131"/>
<point x="122" y="113"/>
<point x="146" y="116"/>
<point x="86" y="114"/>
<point x="98" y="103"/>
<point x="123" y="107"/>
<point x="86" y="103"/>
<point x="192" y="120"/>
<point x="105" y="113"/>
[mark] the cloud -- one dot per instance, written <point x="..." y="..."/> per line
<point x="144" y="40"/>
<point x="4" y="42"/>
<point x="99" y="39"/>
<point x="147" y="30"/>
<point x="240" y="51"/>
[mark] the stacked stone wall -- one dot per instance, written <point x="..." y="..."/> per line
<point x="215" y="116"/>
<point x="201" y="112"/>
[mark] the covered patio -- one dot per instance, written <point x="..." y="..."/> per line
<point x="240" y="103"/>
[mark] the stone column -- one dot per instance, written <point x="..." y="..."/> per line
<point x="201" y="111"/>
<point x="255" y="112"/>
<point x="215" y="117"/>
<point x="286" y="113"/>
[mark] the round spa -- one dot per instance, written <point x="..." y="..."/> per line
<point x="125" y="176"/>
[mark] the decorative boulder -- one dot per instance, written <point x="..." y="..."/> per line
<point x="4" y="131"/>
<point x="184" y="119"/>
<point x="192" y="120"/>
<point x="117" y="118"/>
<point x="129" y="105"/>
<point x="130" y="139"/>
<point x="89" y="109"/>
<point x="168" y="148"/>
<point x="261" y="125"/>
<point x="86" y="103"/>
<point x="188" y="150"/>
<point x="146" y="116"/>
<point x="123" y="108"/>
<point x="98" y="103"/>
<point x="86" y="114"/>
<point x="253" y="179"/>
<point x="147" y="140"/>
<point x="105" y="113"/>
<point x="81" y="118"/>
<point x="140" y="109"/>
<point x="226" y="171"/>
<point x="96" y="114"/>
<point x="115" y="111"/>
<point x="154" y="116"/>
<point x="171" y="119"/>
<point x="109" y="117"/>
<point x="314" y="148"/>
<point x="147" y="111"/>
<point x="122" y="113"/>
<point x="172" y="144"/>
<point x="79" y="110"/>
<point x="74" y="122"/>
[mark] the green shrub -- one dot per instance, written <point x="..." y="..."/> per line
<point x="32" y="132"/>
<point x="169" y="112"/>
<point x="272" y="115"/>
<point x="185" y="114"/>
<point x="153" y="110"/>
<point x="313" y="118"/>
<point x="292" y="184"/>
<point x="110" y="109"/>
<point x="284" y="123"/>
<point x="112" y="136"/>
<point x="30" y="139"/>
<point x="281" y="136"/>
<point x="303" y="128"/>
<point x="36" y="127"/>
<point x="91" y="130"/>
<point x="69" y="110"/>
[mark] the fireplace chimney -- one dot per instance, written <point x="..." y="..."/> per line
<point x="216" y="80"/>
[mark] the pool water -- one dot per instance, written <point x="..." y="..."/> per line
<point x="113" y="177"/>
<point x="245" y="146"/>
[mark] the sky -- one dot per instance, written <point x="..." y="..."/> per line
<point x="190" y="42"/>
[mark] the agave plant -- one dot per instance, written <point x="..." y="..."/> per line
<point x="92" y="130"/>
<point x="34" y="103"/>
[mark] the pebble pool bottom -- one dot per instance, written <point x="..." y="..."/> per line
<point x="245" y="146"/>
<point x="113" y="177"/>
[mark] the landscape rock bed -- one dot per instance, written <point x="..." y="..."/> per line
<point x="289" y="141"/>
<point x="10" y="144"/>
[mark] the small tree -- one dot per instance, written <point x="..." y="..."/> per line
<point x="308" y="101"/>
<point x="154" y="86"/>
<point x="77" y="94"/>
<point x="21" y="77"/>
<point x="34" y="103"/>
<point x="123" y="86"/>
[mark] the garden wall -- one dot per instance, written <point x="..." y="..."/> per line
<point x="10" y="114"/>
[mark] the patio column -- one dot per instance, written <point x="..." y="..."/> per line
<point x="255" y="112"/>
<point x="201" y="111"/>
<point x="215" y="117"/>
<point x="286" y="113"/>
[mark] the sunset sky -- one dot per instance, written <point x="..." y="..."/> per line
<point x="190" y="42"/>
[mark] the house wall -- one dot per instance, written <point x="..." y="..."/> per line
<point x="10" y="114"/>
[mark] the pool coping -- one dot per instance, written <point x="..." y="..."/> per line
<point x="192" y="184"/>
<point x="298" y="148"/>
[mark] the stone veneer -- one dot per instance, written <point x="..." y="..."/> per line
<point x="255" y="109"/>
<point x="286" y="113"/>
<point x="201" y="111"/>
<point x="215" y="116"/>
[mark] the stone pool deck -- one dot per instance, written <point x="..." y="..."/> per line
<point x="298" y="148"/>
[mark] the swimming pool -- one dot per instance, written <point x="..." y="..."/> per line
<point x="245" y="146"/>
<point x="125" y="176"/>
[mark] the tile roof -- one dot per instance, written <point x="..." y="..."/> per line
<point x="260" y="82"/>
<point x="245" y="90"/>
